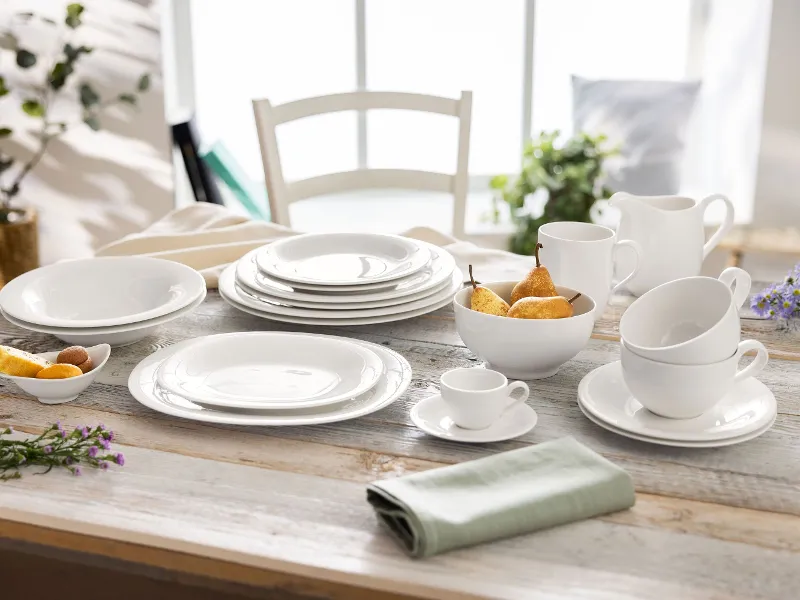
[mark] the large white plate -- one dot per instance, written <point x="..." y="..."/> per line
<point x="433" y="274"/>
<point x="270" y="370"/>
<point x="342" y="258"/>
<point x="227" y="283"/>
<point x="676" y="443"/>
<point x="394" y="382"/>
<point x="748" y="407"/>
<point x="101" y="292"/>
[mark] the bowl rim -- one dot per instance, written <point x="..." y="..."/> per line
<point x="75" y="379"/>
<point x="459" y="306"/>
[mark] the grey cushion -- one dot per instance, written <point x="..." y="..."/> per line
<point x="648" y="119"/>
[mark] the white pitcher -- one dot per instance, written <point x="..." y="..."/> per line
<point x="670" y="231"/>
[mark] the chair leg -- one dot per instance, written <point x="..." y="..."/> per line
<point x="735" y="258"/>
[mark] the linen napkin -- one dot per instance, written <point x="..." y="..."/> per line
<point x="209" y="237"/>
<point x="499" y="496"/>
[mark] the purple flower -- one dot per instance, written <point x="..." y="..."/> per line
<point x="47" y="449"/>
<point x="109" y="435"/>
<point x="105" y="444"/>
<point x="103" y="465"/>
<point x="92" y="451"/>
<point x="119" y="459"/>
<point x="63" y="433"/>
<point x="76" y="471"/>
<point x="69" y="460"/>
<point x="760" y="305"/>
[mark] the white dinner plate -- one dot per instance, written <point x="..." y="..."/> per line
<point x="226" y="282"/>
<point x="433" y="274"/>
<point x="270" y="370"/>
<point x="101" y="292"/>
<point x="334" y="259"/>
<point x="748" y="407"/>
<point x="322" y="312"/>
<point x="677" y="443"/>
<point x="394" y="382"/>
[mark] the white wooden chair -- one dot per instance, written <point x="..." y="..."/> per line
<point x="282" y="193"/>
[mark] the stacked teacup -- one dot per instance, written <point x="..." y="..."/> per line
<point x="681" y="344"/>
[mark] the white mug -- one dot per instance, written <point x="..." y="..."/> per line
<point x="477" y="397"/>
<point x="689" y="321"/>
<point x="582" y="255"/>
<point x="687" y="391"/>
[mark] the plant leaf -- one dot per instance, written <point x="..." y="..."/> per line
<point x="88" y="96"/>
<point x="127" y="99"/>
<point x="3" y="89"/>
<point x="58" y="76"/>
<point x="72" y="53"/>
<point x="5" y="132"/>
<point x="74" y="12"/>
<point x="25" y="58"/>
<point x="33" y="108"/>
<point x="144" y="83"/>
<point x="92" y="122"/>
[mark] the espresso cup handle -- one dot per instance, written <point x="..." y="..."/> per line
<point x="639" y="253"/>
<point x="517" y="385"/>
<point x="755" y="367"/>
<point x="743" y="282"/>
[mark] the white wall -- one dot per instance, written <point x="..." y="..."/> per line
<point x="92" y="188"/>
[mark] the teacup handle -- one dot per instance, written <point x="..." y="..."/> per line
<point x="724" y="227"/>
<point x="639" y="253"/>
<point x="755" y="367"/>
<point x="743" y="282"/>
<point x="517" y="385"/>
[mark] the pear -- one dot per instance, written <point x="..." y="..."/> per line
<point x="533" y="307"/>
<point x="485" y="300"/>
<point x="536" y="283"/>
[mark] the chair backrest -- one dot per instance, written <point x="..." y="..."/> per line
<point x="282" y="194"/>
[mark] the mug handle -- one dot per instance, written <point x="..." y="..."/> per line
<point x="517" y="385"/>
<point x="724" y="227"/>
<point x="743" y="281"/>
<point x="639" y="253"/>
<point x="758" y="364"/>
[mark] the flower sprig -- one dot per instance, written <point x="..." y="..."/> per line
<point x="780" y="300"/>
<point x="57" y="447"/>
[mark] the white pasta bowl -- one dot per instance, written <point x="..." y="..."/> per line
<point x="523" y="348"/>
<point x="58" y="391"/>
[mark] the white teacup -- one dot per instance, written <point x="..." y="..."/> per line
<point x="689" y="321"/>
<point x="687" y="391"/>
<point x="476" y="398"/>
<point x="581" y="256"/>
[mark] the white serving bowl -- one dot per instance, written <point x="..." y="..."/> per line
<point x="58" y="391"/>
<point x="523" y="348"/>
<point x="101" y="292"/>
<point x="116" y="336"/>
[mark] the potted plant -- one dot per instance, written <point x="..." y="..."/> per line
<point x="54" y="87"/>
<point x="569" y="176"/>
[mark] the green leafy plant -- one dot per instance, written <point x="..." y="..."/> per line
<point x="38" y="101"/>
<point x="570" y="176"/>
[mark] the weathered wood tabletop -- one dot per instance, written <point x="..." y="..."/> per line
<point x="284" y="508"/>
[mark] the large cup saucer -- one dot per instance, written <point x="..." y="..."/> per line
<point x="748" y="408"/>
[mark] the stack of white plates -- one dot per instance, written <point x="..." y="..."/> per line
<point x="270" y="378"/>
<point x="342" y="279"/>
<point x="111" y="300"/>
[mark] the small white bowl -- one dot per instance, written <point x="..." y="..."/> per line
<point x="58" y="391"/>
<point x="523" y="348"/>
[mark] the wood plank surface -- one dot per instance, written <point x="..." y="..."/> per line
<point x="707" y="523"/>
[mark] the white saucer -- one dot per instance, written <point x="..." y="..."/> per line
<point x="430" y="415"/>
<point x="747" y="409"/>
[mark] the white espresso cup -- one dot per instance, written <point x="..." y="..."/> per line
<point x="477" y="397"/>
<point x="582" y="255"/>
<point x="689" y="321"/>
<point x="687" y="391"/>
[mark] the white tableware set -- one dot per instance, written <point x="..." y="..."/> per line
<point x="678" y="382"/>
<point x="475" y="405"/>
<point x="111" y="300"/>
<point x="342" y="279"/>
<point x="270" y="378"/>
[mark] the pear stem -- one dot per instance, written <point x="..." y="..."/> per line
<point x="575" y="297"/>
<point x="536" y="254"/>
<point x="472" y="279"/>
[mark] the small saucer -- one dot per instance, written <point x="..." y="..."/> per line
<point x="749" y="408"/>
<point x="430" y="415"/>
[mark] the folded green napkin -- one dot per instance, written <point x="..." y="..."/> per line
<point x="499" y="496"/>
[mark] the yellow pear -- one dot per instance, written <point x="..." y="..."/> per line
<point x="536" y="283"/>
<point x="485" y="300"/>
<point x="533" y="307"/>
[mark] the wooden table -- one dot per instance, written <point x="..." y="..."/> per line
<point x="282" y="510"/>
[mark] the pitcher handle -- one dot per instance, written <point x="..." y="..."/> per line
<point x="743" y="283"/>
<point x="724" y="227"/>
<point x="639" y="253"/>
